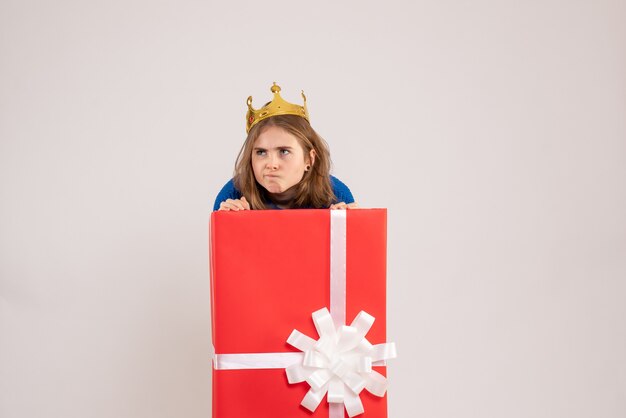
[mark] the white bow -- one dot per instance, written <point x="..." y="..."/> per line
<point x="339" y="362"/>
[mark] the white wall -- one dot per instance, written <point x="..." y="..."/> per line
<point x="494" y="131"/>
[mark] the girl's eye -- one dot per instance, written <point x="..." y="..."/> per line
<point x="260" y="152"/>
<point x="284" y="151"/>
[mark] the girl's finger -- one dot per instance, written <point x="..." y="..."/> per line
<point x="228" y="205"/>
<point x="235" y="203"/>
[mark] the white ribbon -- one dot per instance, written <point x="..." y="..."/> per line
<point x="338" y="238"/>
<point x="339" y="364"/>
<point x="255" y="360"/>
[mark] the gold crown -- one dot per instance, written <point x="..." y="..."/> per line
<point x="278" y="106"/>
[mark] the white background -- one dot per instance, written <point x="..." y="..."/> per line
<point x="493" y="131"/>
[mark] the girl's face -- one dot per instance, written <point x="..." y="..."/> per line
<point x="278" y="160"/>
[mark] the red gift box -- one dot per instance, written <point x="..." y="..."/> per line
<point x="270" y="270"/>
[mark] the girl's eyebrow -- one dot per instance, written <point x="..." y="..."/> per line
<point x="278" y="147"/>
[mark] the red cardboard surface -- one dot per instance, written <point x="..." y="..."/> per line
<point x="269" y="273"/>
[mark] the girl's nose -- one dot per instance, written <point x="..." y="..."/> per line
<point x="272" y="163"/>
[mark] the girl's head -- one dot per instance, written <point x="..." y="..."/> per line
<point x="283" y="159"/>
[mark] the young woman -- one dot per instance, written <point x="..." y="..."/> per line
<point x="283" y="164"/>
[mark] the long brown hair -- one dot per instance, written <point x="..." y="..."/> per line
<point x="313" y="191"/>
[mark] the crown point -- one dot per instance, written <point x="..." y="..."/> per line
<point x="275" y="88"/>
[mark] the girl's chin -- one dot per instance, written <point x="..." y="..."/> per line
<point x="274" y="188"/>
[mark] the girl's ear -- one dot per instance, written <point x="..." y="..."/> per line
<point x="311" y="157"/>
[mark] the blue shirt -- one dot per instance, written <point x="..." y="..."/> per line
<point x="341" y="191"/>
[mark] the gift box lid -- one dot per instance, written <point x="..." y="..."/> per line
<point x="270" y="270"/>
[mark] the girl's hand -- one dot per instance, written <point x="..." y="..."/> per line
<point x="343" y="205"/>
<point x="235" y="204"/>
